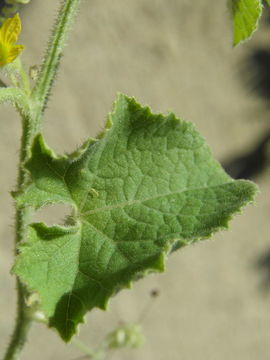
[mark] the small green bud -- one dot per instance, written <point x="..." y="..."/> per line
<point x="33" y="72"/>
<point x="129" y="335"/>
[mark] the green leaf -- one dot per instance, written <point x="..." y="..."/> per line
<point x="246" y="15"/>
<point x="148" y="186"/>
<point x="268" y="2"/>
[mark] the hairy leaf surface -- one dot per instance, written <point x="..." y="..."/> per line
<point x="147" y="186"/>
<point x="246" y="14"/>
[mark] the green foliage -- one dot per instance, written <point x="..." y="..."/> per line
<point x="148" y="185"/>
<point x="246" y="15"/>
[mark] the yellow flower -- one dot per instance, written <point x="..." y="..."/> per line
<point x="9" y="33"/>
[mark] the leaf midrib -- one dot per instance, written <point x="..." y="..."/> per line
<point x="133" y="202"/>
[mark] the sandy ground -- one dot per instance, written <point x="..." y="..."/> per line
<point x="173" y="55"/>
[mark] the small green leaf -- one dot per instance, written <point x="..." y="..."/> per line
<point x="246" y="15"/>
<point x="148" y="186"/>
<point x="268" y="2"/>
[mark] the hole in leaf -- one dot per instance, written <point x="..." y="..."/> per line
<point x="55" y="214"/>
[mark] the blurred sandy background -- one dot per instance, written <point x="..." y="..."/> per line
<point x="173" y="55"/>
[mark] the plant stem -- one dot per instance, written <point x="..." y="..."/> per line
<point x="23" y="76"/>
<point x="97" y="354"/>
<point x="23" y="323"/>
<point x="41" y="91"/>
<point x="84" y="348"/>
<point x="24" y="313"/>
<point x="16" y="97"/>
<point x="31" y="124"/>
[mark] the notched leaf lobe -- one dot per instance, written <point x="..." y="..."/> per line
<point x="147" y="186"/>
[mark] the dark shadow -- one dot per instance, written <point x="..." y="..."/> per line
<point x="252" y="163"/>
<point x="262" y="264"/>
<point x="258" y="72"/>
<point x="255" y="73"/>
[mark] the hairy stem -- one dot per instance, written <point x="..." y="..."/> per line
<point x="41" y="91"/>
<point x="16" y="97"/>
<point x="31" y="125"/>
<point x="24" y="313"/>
<point x="23" y="323"/>
<point x="24" y="78"/>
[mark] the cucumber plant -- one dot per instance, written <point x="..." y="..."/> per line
<point x="146" y="186"/>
